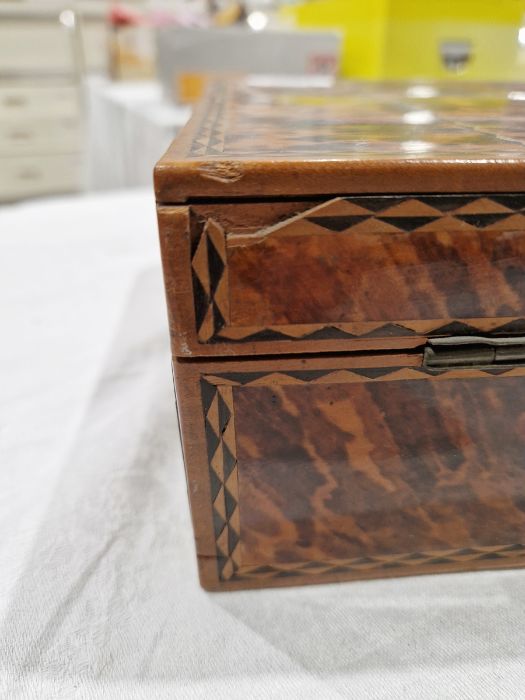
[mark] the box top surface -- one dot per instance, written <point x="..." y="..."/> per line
<point x="251" y="141"/>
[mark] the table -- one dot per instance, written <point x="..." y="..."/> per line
<point x="99" y="595"/>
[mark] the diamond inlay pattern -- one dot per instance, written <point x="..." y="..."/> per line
<point x="345" y="216"/>
<point x="220" y="438"/>
<point x="217" y="401"/>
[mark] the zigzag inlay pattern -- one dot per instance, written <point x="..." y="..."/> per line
<point x="358" y="375"/>
<point x="210" y="281"/>
<point x="413" y="560"/>
<point x="365" y="214"/>
<point x="217" y="403"/>
<point x="210" y="135"/>
<point x="217" y="398"/>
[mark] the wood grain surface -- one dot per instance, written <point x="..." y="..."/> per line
<point x="349" y="273"/>
<point x="338" y="468"/>
<point x="246" y="141"/>
<point x="312" y="242"/>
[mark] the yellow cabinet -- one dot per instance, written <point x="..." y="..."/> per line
<point x="439" y="39"/>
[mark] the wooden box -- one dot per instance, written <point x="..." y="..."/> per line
<point x="345" y="281"/>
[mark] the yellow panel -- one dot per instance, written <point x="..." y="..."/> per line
<point x="402" y="38"/>
<point x="489" y="11"/>
<point x="363" y="25"/>
<point x="413" y="50"/>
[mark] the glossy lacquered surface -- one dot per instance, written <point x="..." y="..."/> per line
<point x="313" y="243"/>
<point x="348" y="273"/>
<point x="326" y="469"/>
<point x="351" y="138"/>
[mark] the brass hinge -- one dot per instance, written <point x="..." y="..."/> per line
<point x="474" y="351"/>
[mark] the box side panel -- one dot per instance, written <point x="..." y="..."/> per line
<point x="176" y="248"/>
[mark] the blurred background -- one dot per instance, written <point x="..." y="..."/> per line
<point x="98" y="585"/>
<point x="93" y="91"/>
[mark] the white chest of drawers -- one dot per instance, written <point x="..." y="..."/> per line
<point x="41" y="140"/>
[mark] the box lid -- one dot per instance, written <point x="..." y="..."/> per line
<point x="250" y="140"/>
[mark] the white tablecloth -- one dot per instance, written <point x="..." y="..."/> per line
<point x="98" y="586"/>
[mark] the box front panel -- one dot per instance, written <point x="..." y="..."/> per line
<point x="342" y="267"/>
<point x="350" y="273"/>
<point x="357" y="472"/>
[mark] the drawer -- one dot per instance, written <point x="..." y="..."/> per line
<point x="30" y="102"/>
<point x="43" y="136"/>
<point x="346" y="273"/>
<point x="29" y="176"/>
<point x="35" y="46"/>
<point x="330" y="468"/>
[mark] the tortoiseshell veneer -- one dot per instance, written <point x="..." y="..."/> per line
<point x="315" y="244"/>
